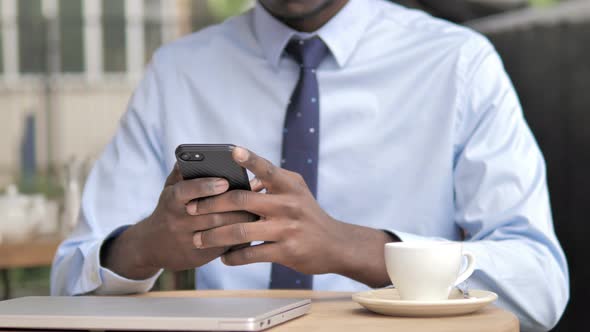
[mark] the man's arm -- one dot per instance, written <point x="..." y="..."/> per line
<point x="133" y="220"/>
<point x="502" y="200"/>
<point x="296" y="231"/>
<point x="501" y="197"/>
<point x="122" y="189"/>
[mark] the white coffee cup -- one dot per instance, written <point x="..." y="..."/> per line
<point x="426" y="271"/>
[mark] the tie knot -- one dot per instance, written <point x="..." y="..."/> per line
<point x="309" y="53"/>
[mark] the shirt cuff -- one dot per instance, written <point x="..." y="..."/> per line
<point x="409" y="237"/>
<point x="109" y="282"/>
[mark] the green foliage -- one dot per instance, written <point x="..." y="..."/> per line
<point x="543" y="2"/>
<point x="29" y="281"/>
<point x="48" y="186"/>
<point x="222" y="9"/>
<point x="35" y="281"/>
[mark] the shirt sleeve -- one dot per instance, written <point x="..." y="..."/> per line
<point x="502" y="201"/>
<point x="122" y="189"/>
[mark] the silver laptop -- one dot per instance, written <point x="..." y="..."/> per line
<point x="129" y="313"/>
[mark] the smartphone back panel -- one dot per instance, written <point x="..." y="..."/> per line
<point x="215" y="161"/>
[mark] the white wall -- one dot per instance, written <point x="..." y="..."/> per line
<point x="87" y="117"/>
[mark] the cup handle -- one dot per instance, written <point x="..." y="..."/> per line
<point x="468" y="270"/>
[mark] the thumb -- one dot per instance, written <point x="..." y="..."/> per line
<point x="174" y="177"/>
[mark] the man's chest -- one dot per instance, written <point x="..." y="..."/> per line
<point x="384" y="140"/>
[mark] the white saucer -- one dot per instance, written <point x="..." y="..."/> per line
<point x="387" y="302"/>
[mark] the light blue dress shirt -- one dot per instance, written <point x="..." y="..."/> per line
<point x="421" y="131"/>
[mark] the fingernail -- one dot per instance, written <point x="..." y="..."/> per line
<point x="221" y="184"/>
<point x="191" y="209"/>
<point x="241" y="154"/>
<point x="197" y="240"/>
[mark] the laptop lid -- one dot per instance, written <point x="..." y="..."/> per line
<point x="142" y="313"/>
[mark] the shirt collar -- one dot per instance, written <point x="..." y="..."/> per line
<point x="341" y="34"/>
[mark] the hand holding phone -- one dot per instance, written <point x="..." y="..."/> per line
<point x="214" y="161"/>
<point x="165" y="239"/>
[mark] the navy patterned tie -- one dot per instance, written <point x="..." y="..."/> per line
<point x="301" y="139"/>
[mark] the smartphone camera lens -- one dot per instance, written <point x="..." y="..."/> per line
<point x="198" y="156"/>
<point x="185" y="156"/>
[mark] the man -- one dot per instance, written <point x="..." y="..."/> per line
<point x="401" y="127"/>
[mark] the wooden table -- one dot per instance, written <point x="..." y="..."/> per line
<point x="335" y="311"/>
<point x="34" y="252"/>
<point x="39" y="251"/>
<point x="31" y="253"/>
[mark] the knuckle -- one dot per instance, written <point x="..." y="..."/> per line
<point x="251" y="161"/>
<point x="270" y="169"/>
<point x="216" y="220"/>
<point x="293" y="228"/>
<point x="248" y="255"/>
<point x="171" y="225"/>
<point x="291" y="207"/>
<point x="297" y="177"/>
<point x="206" y="187"/>
<point x="288" y="246"/>
<point x="291" y="250"/>
<point x="177" y="192"/>
<point x="299" y="181"/>
<point x="239" y="198"/>
<point x="167" y="197"/>
<point x="204" y="205"/>
<point x="239" y="233"/>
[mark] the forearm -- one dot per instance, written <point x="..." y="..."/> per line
<point x="529" y="274"/>
<point x="78" y="269"/>
<point x="532" y="284"/>
<point x="361" y="256"/>
<point x="126" y="256"/>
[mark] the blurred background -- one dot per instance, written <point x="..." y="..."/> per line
<point x="68" y="68"/>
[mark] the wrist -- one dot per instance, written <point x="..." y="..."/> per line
<point x="127" y="256"/>
<point x="364" y="258"/>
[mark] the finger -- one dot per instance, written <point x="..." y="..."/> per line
<point x="201" y="257"/>
<point x="231" y="235"/>
<point x="186" y="191"/>
<point x="235" y="200"/>
<point x="267" y="252"/>
<point x="263" y="169"/>
<point x="256" y="185"/>
<point x="174" y="177"/>
<point x="208" y="221"/>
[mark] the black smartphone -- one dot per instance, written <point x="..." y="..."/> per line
<point x="214" y="160"/>
<point x="211" y="160"/>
